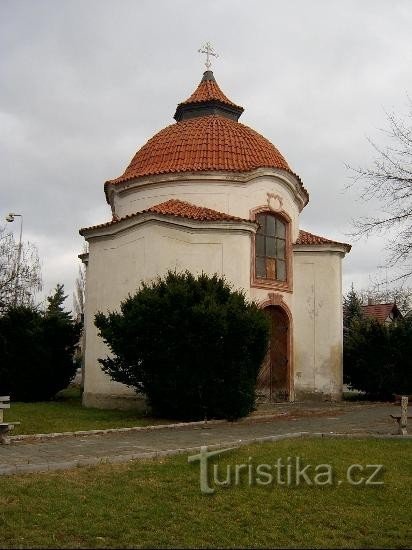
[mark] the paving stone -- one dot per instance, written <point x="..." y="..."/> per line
<point x="122" y="446"/>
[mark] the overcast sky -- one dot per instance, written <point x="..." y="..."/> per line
<point x="85" y="83"/>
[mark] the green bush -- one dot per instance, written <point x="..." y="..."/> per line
<point x="378" y="357"/>
<point x="192" y="345"/>
<point x="36" y="351"/>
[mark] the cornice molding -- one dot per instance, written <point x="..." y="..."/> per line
<point x="299" y="193"/>
<point x="164" y="219"/>
<point x="320" y="248"/>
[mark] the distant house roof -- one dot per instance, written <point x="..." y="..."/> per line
<point x="381" y="312"/>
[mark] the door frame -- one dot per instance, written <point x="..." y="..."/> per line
<point x="275" y="299"/>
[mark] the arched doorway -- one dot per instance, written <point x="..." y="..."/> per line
<point x="273" y="381"/>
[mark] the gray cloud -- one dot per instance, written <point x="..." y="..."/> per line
<point x="85" y="84"/>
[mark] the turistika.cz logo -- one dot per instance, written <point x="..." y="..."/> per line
<point x="289" y="472"/>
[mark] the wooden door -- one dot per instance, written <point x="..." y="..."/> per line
<point x="273" y="378"/>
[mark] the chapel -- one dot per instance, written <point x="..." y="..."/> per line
<point x="209" y="194"/>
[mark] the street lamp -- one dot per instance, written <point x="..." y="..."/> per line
<point x="10" y="218"/>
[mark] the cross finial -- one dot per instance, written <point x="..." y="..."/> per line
<point x="208" y="49"/>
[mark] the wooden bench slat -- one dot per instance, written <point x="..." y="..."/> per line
<point x="4" y="397"/>
<point x="4" y="405"/>
<point x="4" y="424"/>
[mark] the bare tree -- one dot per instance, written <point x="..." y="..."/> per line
<point x="390" y="181"/>
<point x="78" y="314"/>
<point x="79" y="294"/>
<point x="19" y="280"/>
<point x="399" y="295"/>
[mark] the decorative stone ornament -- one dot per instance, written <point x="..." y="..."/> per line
<point x="275" y="202"/>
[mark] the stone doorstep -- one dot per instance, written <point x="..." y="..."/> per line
<point x="153" y="455"/>
<point x="202" y="424"/>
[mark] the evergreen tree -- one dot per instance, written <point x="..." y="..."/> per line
<point x="56" y="302"/>
<point x="191" y="344"/>
<point x="352" y="308"/>
<point x="36" y="351"/>
<point x="376" y="357"/>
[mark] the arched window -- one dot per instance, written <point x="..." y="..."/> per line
<point x="270" y="248"/>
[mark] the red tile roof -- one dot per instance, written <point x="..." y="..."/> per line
<point x="176" y="208"/>
<point x="381" y="312"/>
<point x="209" y="90"/>
<point x="183" y="209"/>
<point x="205" y="143"/>
<point x="306" y="238"/>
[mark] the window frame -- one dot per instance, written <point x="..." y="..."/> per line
<point x="264" y="282"/>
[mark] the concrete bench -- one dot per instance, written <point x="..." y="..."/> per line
<point x="5" y="427"/>
<point x="402" y="418"/>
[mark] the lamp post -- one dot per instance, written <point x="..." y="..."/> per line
<point x="10" y="218"/>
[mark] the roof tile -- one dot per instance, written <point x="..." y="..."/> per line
<point x="308" y="239"/>
<point x="208" y="90"/>
<point x="380" y="312"/>
<point x="183" y="209"/>
<point x="177" y="208"/>
<point x="206" y="143"/>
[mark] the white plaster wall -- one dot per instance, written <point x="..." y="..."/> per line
<point x="317" y="322"/>
<point x="117" y="264"/>
<point x="232" y="197"/>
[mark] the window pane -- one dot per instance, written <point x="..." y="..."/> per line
<point x="260" y="245"/>
<point x="260" y="268"/>
<point x="270" y="268"/>
<point x="270" y="225"/>
<point x="280" y="245"/>
<point x="260" y="218"/>
<point x="281" y="269"/>
<point x="270" y="247"/>
<point x="280" y="229"/>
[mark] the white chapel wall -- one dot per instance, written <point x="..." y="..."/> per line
<point x="118" y="264"/>
<point x="317" y="323"/>
<point x="235" y="198"/>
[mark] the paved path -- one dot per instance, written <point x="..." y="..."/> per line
<point x="68" y="452"/>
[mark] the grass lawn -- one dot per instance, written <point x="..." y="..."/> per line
<point x="158" y="504"/>
<point x="66" y="414"/>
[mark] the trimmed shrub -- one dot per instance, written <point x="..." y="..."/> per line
<point x="190" y="344"/>
<point x="378" y="357"/>
<point x="36" y="352"/>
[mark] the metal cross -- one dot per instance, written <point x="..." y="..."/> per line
<point x="207" y="48"/>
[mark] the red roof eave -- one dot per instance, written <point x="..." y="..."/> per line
<point x="309" y="239"/>
<point x="175" y="208"/>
